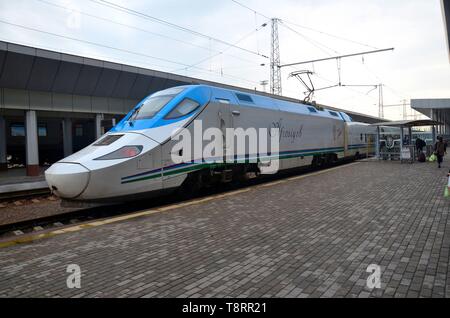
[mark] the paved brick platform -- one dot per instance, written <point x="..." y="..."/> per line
<point x="307" y="237"/>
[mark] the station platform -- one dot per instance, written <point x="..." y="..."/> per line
<point x="15" y="180"/>
<point x="311" y="235"/>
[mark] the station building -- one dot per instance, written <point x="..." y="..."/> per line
<point x="438" y="108"/>
<point x="53" y="104"/>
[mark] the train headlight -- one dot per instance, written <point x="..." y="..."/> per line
<point x="122" y="153"/>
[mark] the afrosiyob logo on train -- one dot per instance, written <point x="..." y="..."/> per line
<point x="289" y="133"/>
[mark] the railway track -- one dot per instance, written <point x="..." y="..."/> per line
<point x="25" y="194"/>
<point x="78" y="216"/>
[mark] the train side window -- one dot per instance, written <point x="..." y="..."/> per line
<point x="223" y="100"/>
<point x="244" y="98"/>
<point x="333" y="114"/>
<point x="185" y="107"/>
<point x="361" y="137"/>
<point x="312" y="110"/>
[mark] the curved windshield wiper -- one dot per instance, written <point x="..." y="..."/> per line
<point x="134" y="114"/>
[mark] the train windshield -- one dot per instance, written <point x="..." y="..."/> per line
<point x="154" y="103"/>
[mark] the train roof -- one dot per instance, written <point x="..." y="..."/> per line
<point x="244" y="98"/>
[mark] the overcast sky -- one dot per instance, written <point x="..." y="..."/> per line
<point x="418" y="67"/>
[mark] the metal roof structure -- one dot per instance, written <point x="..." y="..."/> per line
<point x="437" y="109"/>
<point x="28" y="68"/>
<point x="48" y="80"/>
<point x="426" y="106"/>
<point x="409" y="123"/>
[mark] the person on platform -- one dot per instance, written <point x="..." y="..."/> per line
<point x="439" y="150"/>
<point x="420" y="143"/>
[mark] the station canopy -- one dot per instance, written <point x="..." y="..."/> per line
<point x="409" y="123"/>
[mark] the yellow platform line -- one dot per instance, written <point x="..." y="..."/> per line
<point x="76" y="228"/>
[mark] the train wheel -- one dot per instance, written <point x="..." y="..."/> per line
<point x="315" y="162"/>
<point x="191" y="186"/>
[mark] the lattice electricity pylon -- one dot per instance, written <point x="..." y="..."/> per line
<point x="275" y="71"/>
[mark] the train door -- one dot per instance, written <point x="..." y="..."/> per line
<point x="225" y="121"/>
<point x="370" y="144"/>
<point x="171" y="178"/>
<point x="346" y="138"/>
<point x="241" y="118"/>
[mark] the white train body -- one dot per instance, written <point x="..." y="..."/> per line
<point x="135" y="158"/>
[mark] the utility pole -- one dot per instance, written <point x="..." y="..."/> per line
<point x="275" y="71"/>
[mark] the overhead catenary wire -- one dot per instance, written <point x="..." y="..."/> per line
<point x="172" y="25"/>
<point x="330" y="35"/>
<point x="138" y="29"/>
<point x="220" y="53"/>
<point x="131" y="62"/>
<point x="317" y="44"/>
<point x="367" y="68"/>
<point x="307" y="27"/>
<point x="210" y="39"/>
<point x="112" y="48"/>
<point x="248" y="8"/>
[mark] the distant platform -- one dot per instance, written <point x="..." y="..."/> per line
<point x="15" y="180"/>
<point x="310" y="235"/>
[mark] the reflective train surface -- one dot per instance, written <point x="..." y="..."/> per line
<point x="136" y="157"/>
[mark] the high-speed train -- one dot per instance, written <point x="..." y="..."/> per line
<point x="136" y="157"/>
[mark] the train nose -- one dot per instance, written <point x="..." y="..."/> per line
<point x="67" y="180"/>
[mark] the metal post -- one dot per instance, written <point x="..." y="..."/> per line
<point x="444" y="121"/>
<point x="380" y="101"/>
<point x="67" y="137"/>
<point x="113" y="121"/>
<point x="433" y="134"/>
<point x="98" y="125"/>
<point x="402" y="135"/>
<point x="440" y="120"/>
<point x="32" y="148"/>
<point x="367" y="145"/>
<point x="3" y="159"/>
<point x="411" y="149"/>
<point x="377" y="145"/>
<point x="410" y="135"/>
